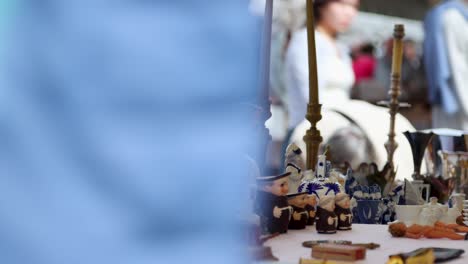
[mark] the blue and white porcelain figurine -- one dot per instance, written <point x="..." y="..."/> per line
<point x="321" y="185"/>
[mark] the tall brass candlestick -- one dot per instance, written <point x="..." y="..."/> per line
<point x="312" y="137"/>
<point x="398" y="34"/>
<point x="394" y="104"/>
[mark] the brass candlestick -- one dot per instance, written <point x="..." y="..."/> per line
<point x="312" y="137"/>
<point x="391" y="145"/>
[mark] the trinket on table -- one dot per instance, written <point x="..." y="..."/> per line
<point x="271" y="203"/>
<point x="300" y="216"/>
<point x="311" y="208"/>
<point x="338" y="252"/>
<point x="326" y="219"/>
<point x="343" y="212"/>
<point x="294" y="164"/>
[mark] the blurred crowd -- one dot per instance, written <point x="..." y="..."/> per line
<point x="432" y="78"/>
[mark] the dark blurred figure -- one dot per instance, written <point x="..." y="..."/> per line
<point x="123" y="131"/>
<point x="414" y="87"/>
<point x="413" y="79"/>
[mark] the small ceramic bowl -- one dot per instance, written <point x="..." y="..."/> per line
<point x="409" y="214"/>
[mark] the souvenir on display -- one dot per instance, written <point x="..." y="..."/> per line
<point x="326" y="219"/>
<point x="311" y="208"/>
<point x="339" y="252"/>
<point x="426" y="255"/>
<point x="350" y="182"/>
<point x="293" y="163"/>
<point x="272" y="204"/>
<point x="388" y="211"/>
<point x="366" y="204"/>
<point x="313" y="243"/>
<point x="321" y="185"/>
<point x="439" y="230"/>
<point x="298" y="202"/>
<point x="432" y="212"/>
<point x="418" y="142"/>
<point x="342" y="211"/>
<point x="412" y="195"/>
<point x="422" y="255"/>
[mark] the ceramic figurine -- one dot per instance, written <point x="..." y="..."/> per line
<point x="365" y="192"/>
<point x="432" y="212"/>
<point x="356" y="195"/>
<point x="272" y="204"/>
<point x="293" y="163"/>
<point x="321" y="172"/>
<point x="375" y="192"/>
<point x="321" y="185"/>
<point x="342" y="211"/>
<point x="299" y="218"/>
<point x="326" y="219"/>
<point x="293" y="155"/>
<point x="350" y="182"/>
<point x="296" y="176"/>
<point x="310" y="208"/>
<point x="388" y="210"/>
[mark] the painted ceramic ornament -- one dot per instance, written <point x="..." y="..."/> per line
<point x="350" y="183"/>
<point x="326" y="219"/>
<point x="298" y="202"/>
<point x="311" y="208"/>
<point x="293" y="163"/>
<point x="321" y="185"/>
<point x="295" y="177"/>
<point x="395" y="197"/>
<point x="322" y="169"/>
<point x="343" y="212"/>
<point x="356" y="196"/>
<point x="272" y="204"/>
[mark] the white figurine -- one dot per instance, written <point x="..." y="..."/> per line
<point x="293" y="163"/>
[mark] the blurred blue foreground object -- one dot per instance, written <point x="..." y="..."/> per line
<point x="123" y="130"/>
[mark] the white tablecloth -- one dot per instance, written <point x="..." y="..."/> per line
<point x="288" y="247"/>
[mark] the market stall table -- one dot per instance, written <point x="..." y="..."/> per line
<point x="288" y="247"/>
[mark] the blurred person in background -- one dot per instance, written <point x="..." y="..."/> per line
<point x="364" y="63"/>
<point x="123" y="131"/>
<point x="335" y="79"/>
<point x="413" y="79"/>
<point x="446" y="63"/>
<point x="366" y="86"/>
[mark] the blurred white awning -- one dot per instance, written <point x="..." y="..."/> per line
<point x="375" y="28"/>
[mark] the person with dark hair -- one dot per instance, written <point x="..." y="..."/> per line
<point x="335" y="79"/>
<point x="332" y="17"/>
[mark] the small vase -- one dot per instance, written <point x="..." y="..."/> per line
<point x="418" y="142"/>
